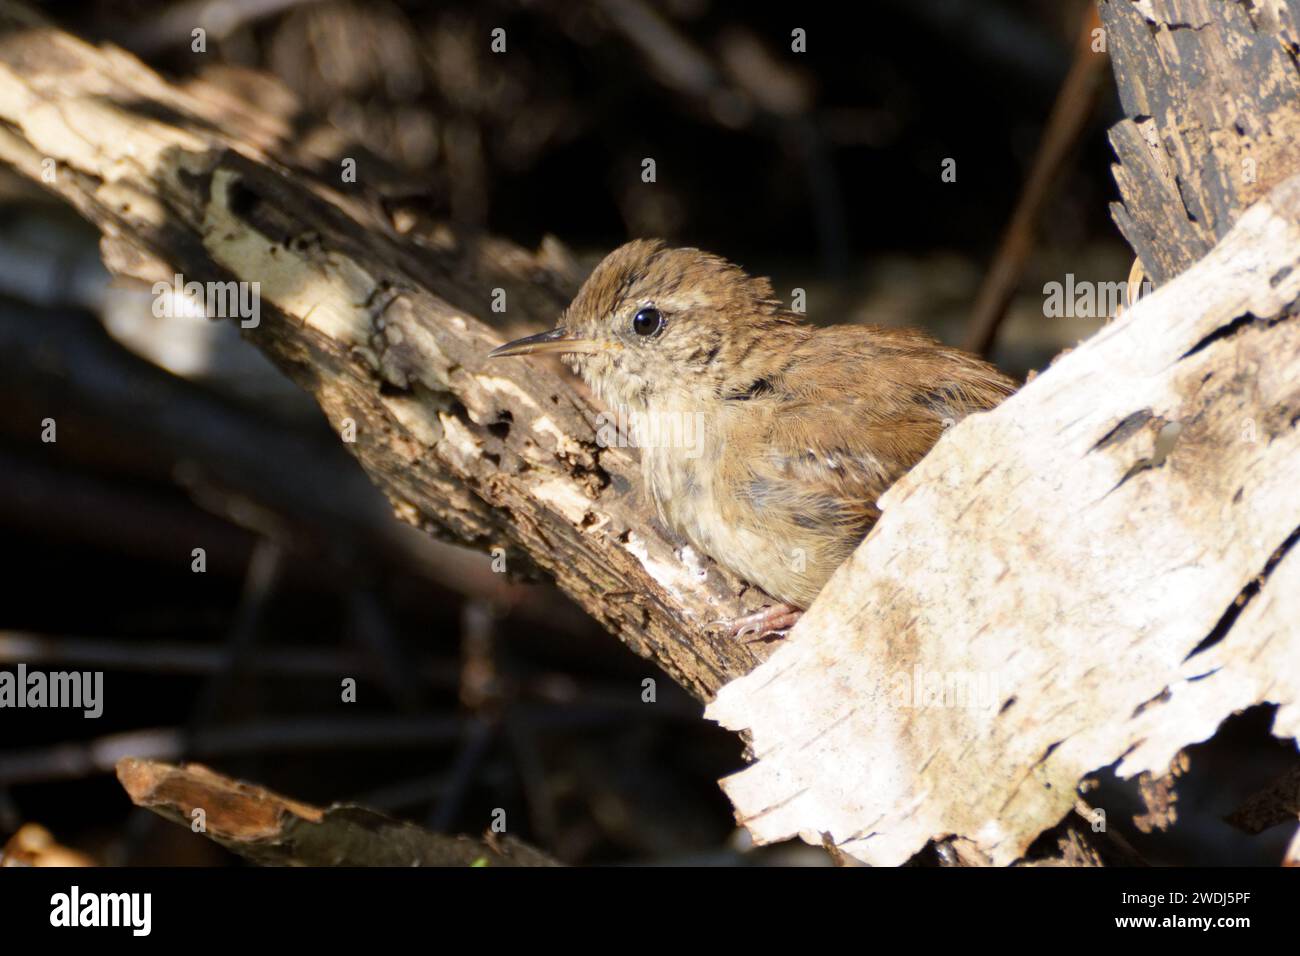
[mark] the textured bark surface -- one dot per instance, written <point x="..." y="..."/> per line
<point x="272" y="830"/>
<point x="1107" y="556"/>
<point x="1101" y="570"/>
<point x="1096" y="573"/>
<point x="385" y="329"/>
<point x="1211" y="92"/>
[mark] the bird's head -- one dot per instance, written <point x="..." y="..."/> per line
<point x="654" y="326"/>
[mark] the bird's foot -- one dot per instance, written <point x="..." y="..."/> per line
<point x="772" y="621"/>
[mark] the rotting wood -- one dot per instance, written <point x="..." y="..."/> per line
<point x="1211" y="93"/>
<point x="272" y="830"/>
<point x="385" y="330"/>
<point x="1092" y="539"/>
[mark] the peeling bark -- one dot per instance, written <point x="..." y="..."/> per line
<point x="1110" y="551"/>
<point x="1113" y="548"/>
<point x="1212" y="96"/>
<point x="1109" y="555"/>
<point x="384" y="329"/>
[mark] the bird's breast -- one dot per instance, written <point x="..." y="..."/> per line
<point x="697" y="496"/>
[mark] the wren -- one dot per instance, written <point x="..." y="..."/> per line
<point x="765" y="441"/>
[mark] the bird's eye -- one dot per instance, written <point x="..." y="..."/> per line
<point x="648" y="321"/>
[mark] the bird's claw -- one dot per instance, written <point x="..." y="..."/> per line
<point x="772" y="621"/>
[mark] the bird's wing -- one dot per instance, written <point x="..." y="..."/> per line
<point x="849" y="414"/>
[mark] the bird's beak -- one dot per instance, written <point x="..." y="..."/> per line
<point x="556" y="340"/>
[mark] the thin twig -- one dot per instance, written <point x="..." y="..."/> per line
<point x="1074" y="105"/>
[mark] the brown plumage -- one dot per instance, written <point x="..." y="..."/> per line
<point x="765" y="441"/>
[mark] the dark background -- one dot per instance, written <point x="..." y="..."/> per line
<point x="819" y="169"/>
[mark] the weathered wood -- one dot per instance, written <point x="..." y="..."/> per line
<point x="384" y="329"/>
<point x="1277" y="803"/>
<point x="1211" y="92"/>
<point x="272" y="830"/>
<point x="1107" y="556"/>
<point x="1097" y="572"/>
<point x="1110" y="546"/>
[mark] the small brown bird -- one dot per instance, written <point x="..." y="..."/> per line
<point x="765" y="442"/>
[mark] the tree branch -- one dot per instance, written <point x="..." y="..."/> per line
<point x="383" y="329"/>
<point x="272" y="830"/>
